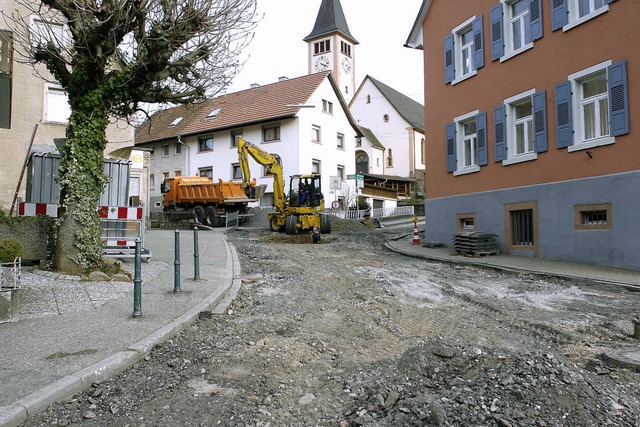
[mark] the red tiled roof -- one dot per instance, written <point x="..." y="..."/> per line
<point x="260" y="104"/>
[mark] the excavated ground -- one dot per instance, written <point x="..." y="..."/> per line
<point x="347" y="333"/>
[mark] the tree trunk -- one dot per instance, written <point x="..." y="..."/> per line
<point x="82" y="180"/>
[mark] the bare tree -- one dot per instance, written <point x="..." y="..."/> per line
<point x="112" y="57"/>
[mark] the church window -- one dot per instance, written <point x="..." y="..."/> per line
<point x="345" y="48"/>
<point x="321" y="47"/>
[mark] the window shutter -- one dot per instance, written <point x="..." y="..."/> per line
<point x="478" y="43"/>
<point x="535" y="14"/>
<point x="497" y="44"/>
<point x="564" y="121"/>
<point x="481" y="135"/>
<point x="559" y="14"/>
<point x="451" y="147"/>
<point x="5" y="102"/>
<point x="618" y="98"/>
<point x="608" y="1"/>
<point x="449" y="67"/>
<point x="499" y="133"/>
<point x="539" y="103"/>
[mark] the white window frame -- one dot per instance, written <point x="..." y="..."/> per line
<point x="53" y="108"/>
<point x="40" y="29"/>
<point x="457" y="47"/>
<point x="206" y="169"/>
<point x="316" y="166"/>
<point x="509" y="51"/>
<point x="316" y="134"/>
<point x="327" y="106"/>
<point x="340" y="141"/>
<point x="510" y="128"/>
<point x="574" y="14"/>
<point x="459" y="121"/>
<point x="576" y="102"/>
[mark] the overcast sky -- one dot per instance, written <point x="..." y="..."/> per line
<point x="381" y="27"/>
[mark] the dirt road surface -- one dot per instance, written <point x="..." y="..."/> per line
<point x="347" y="333"/>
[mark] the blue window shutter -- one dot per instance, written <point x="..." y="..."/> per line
<point x="451" y="147"/>
<point x="478" y="43"/>
<point x="535" y="15"/>
<point x="618" y="98"/>
<point x="564" y="120"/>
<point x="539" y="103"/>
<point x="497" y="43"/>
<point x="449" y="67"/>
<point x="559" y="14"/>
<point x="481" y="135"/>
<point x="499" y="133"/>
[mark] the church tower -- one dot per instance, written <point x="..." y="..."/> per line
<point x="332" y="47"/>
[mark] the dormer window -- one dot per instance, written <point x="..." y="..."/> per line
<point x="176" y="121"/>
<point x="214" y="113"/>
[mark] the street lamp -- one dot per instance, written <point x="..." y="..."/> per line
<point x="188" y="154"/>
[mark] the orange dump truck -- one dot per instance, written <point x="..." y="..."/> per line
<point x="210" y="201"/>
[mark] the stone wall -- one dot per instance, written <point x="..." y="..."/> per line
<point x="35" y="234"/>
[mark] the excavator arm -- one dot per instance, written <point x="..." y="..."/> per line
<point x="272" y="162"/>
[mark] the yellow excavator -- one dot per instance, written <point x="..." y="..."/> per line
<point x="302" y="209"/>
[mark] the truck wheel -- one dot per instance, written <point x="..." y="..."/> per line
<point x="292" y="224"/>
<point x="274" y="224"/>
<point x="325" y="224"/>
<point x="199" y="212"/>
<point x="210" y="216"/>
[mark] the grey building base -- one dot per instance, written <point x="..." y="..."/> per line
<point x="558" y="237"/>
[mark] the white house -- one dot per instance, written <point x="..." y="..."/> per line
<point x="304" y="120"/>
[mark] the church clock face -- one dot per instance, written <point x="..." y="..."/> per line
<point x="346" y="65"/>
<point x="322" y="63"/>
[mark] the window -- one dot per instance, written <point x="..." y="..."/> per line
<point x="358" y="142"/>
<point x="56" y="105"/>
<point x="340" y="141"/>
<point x="43" y="32"/>
<point x="6" y="74"/>
<point x="322" y="47"/>
<point x="464" y="51"/>
<point x="592" y="217"/>
<point x="175" y="121"/>
<point x="271" y="133"/>
<point x="466" y="222"/>
<point x="385" y="118"/>
<point x="368" y="99"/>
<point x="152" y="181"/>
<point x="327" y="106"/>
<point x="205" y="143"/>
<point x="315" y="133"/>
<point x="235" y="134"/>
<point x="520" y="127"/>
<point x="515" y="25"/>
<point x="178" y="148"/>
<point x="165" y="149"/>
<point x="466" y="143"/>
<point x="567" y="14"/>
<point x="177" y="172"/>
<point x="236" y="172"/>
<point x="152" y="152"/>
<point x="389" y="158"/>
<point x="340" y="173"/>
<point x="315" y="166"/>
<point x="423" y="151"/>
<point x="362" y="163"/>
<point x="206" y="172"/>
<point x="165" y="175"/>
<point x="592" y="107"/>
<point x="345" y="48"/>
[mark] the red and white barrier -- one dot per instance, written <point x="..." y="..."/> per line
<point x="34" y="209"/>
<point x="119" y="212"/>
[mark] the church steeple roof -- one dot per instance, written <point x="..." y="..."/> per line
<point x="331" y="20"/>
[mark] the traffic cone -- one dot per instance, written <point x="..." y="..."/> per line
<point x="416" y="236"/>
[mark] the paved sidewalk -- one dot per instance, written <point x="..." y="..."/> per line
<point x="542" y="266"/>
<point x="71" y="333"/>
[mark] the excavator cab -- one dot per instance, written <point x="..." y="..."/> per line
<point x="305" y="191"/>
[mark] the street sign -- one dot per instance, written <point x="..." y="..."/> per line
<point x="335" y="183"/>
<point x="353" y="176"/>
<point x="358" y="176"/>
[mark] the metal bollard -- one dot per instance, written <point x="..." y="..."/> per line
<point x="137" y="281"/>
<point x="196" y="255"/>
<point x="176" y="264"/>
